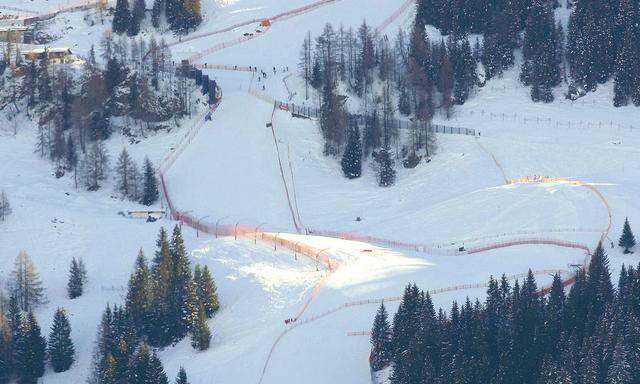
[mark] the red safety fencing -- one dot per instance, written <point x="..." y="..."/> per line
<point x="188" y="137"/>
<point x="238" y="68"/>
<point x="80" y="5"/>
<point x="220" y="46"/>
<point x="515" y="242"/>
<point x="280" y="16"/>
<point x="434" y="291"/>
<point x="394" y="16"/>
<point x="249" y="35"/>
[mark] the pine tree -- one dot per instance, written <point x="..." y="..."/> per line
<point x="157" y="13"/>
<point x="464" y="73"/>
<point x="60" y="349"/>
<point x="44" y="81"/>
<point x="162" y="283"/>
<point x="620" y="370"/>
<point x="30" y="351"/>
<point x="380" y="340"/>
<point x="25" y="284"/>
<point x="352" y="157"/>
<point x="206" y="290"/>
<point x="150" y="184"/>
<point x="138" y="296"/>
<point x="182" y="377"/>
<point x="541" y="67"/>
<point x="156" y="371"/>
<point x="627" y="240"/>
<point x="553" y="372"/>
<point x="183" y="308"/>
<point x="200" y="334"/>
<point x="75" y="286"/>
<point x="121" y="17"/>
<point x="71" y="154"/>
<point x="386" y="173"/>
<point x="146" y="368"/>
<point x="137" y="16"/>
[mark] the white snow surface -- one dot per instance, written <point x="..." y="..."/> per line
<point x="230" y="173"/>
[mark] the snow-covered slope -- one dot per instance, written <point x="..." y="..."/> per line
<point x="230" y="173"/>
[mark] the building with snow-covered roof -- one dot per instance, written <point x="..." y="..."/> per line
<point x="15" y="34"/>
<point x="59" y="55"/>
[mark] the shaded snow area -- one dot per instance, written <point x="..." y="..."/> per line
<point x="230" y="173"/>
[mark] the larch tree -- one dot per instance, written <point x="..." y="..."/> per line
<point x="123" y="171"/>
<point x="25" y="284"/>
<point x="5" y="206"/>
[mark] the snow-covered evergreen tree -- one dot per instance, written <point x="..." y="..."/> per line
<point x="182" y="377"/>
<point x="200" y="334"/>
<point x="352" y="157"/>
<point x="627" y="240"/>
<point x="380" y="340"/>
<point x="206" y="290"/>
<point x="146" y="368"/>
<point x="150" y="184"/>
<point x="137" y="16"/>
<point x="386" y="171"/>
<point x="183" y="305"/>
<point x="138" y="298"/>
<point x="60" y="346"/>
<point x="121" y="17"/>
<point x="77" y="277"/>
<point x="30" y="351"/>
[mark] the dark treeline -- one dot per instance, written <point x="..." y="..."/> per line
<point x="165" y="302"/>
<point x="181" y="16"/>
<point x="602" y="41"/>
<point x="412" y="77"/>
<point x="590" y="336"/>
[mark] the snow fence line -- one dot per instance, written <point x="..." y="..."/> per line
<point x="280" y="16"/>
<point x="249" y="35"/>
<point x="54" y="11"/>
<point x="314" y="113"/>
<point x="394" y="16"/>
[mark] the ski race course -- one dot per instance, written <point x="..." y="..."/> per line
<point x="302" y="242"/>
<point x="303" y="257"/>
